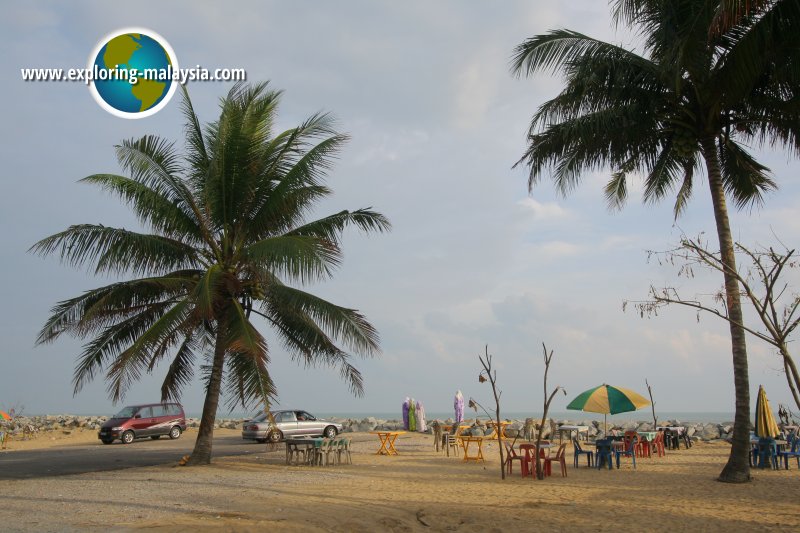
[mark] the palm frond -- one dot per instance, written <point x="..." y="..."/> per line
<point x="345" y="325"/>
<point x="331" y="227"/>
<point x="151" y="208"/>
<point x="115" y="250"/>
<point x="181" y="370"/>
<point x="300" y="257"/>
<point x="242" y="336"/>
<point x="248" y="380"/>
<point x="127" y="367"/>
<point x="745" y="179"/>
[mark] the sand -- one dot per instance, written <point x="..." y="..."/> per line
<point x="418" y="490"/>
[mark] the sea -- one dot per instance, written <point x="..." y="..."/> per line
<point x="641" y="415"/>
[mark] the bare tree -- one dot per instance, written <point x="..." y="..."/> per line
<point x="761" y="284"/>
<point x="652" y="404"/>
<point x="547" y="400"/>
<point x="487" y="374"/>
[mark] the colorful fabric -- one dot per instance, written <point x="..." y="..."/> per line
<point x="412" y="416"/>
<point x="421" y="426"/>
<point x="405" y="413"/>
<point x="458" y="406"/>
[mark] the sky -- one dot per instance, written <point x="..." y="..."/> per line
<point x="436" y="123"/>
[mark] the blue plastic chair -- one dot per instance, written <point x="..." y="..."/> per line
<point x="793" y="441"/>
<point x="629" y="451"/>
<point x="767" y="453"/>
<point x="580" y="451"/>
<point x="604" y="453"/>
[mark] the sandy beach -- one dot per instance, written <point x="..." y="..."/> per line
<point x="417" y="490"/>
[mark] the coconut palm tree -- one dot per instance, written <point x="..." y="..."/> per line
<point x="228" y="233"/>
<point x="695" y="99"/>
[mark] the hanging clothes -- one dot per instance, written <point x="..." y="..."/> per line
<point x="421" y="426"/>
<point x="458" y="406"/>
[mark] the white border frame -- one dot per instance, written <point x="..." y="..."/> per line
<point x="173" y="85"/>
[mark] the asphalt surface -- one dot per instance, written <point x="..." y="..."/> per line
<point x="78" y="459"/>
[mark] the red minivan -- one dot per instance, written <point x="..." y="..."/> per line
<point x="148" y="420"/>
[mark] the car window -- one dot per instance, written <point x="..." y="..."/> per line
<point x="146" y="412"/>
<point x="127" y="412"/>
<point x="173" y="409"/>
<point x="287" y="417"/>
<point x="302" y="415"/>
<point x="159" y="410"/>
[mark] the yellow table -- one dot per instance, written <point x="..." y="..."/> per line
<point x="502" y="432"/>
<point x="466" y="442"/>
<point x="387" y="439"/>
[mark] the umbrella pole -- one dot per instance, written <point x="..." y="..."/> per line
<point x="605" y="423"/>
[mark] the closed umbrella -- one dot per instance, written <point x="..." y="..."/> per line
<point x="766" y="427"/>
<point x="405" y="413"/>
<point x="412" y="416"/>
<point x="458" y="405"/>
<point x="608" y="399"/>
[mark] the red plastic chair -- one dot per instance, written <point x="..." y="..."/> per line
<point x="559" y="457"/>
<point x="512" y="456"/>
<point x="658" y="444"/>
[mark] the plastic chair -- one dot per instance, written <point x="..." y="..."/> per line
<point x="628" y="451"/>
<point x="331" y="451"/>
<point x="512" y="456"/>
<point x="343" y="451"/>
<point x="793" y="441"/>
<point x="671" y="439"/>
<point x="658" y="444"/>
<point x="604" y="453"/>
<point x="317" y="453"/>
<point x="644" y="448"/>
<point x="451" y="443"/>
<point x="767" y="452"/>
<point x="580" y="451"/>
<point x="559" y="457"/>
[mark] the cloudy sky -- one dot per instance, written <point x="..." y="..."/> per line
<point x="436" y="122"/>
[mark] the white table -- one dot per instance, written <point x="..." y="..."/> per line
<point x="569" y="429"/>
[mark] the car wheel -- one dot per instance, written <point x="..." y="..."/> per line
<point x="275" y="436"/>
<point x="175" y="432"/>
<point x="107" y="441"/>
<point x="155" y="437"/>
<point x="330" y="432"/>
<point x="127" y="437"/>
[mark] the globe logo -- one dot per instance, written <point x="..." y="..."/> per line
<point x="132" y="73"/>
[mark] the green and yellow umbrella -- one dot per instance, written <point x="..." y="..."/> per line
<point x="766" y="427"/>
<point x="608" y="400"/>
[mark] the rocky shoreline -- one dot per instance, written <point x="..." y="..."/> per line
<point x="698" y="431"/>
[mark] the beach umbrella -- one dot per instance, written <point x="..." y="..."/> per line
<point x="406" y="404"/>
<point x="766" y="427"/>
<point x="608" y="400"/>
<point x="458" y="405"/>
<point x="5" y="416"/>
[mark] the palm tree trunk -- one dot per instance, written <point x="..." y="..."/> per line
<point x="737" y="469"/>
<point x="201" y="455"/>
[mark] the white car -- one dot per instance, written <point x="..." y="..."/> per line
<point x="288" y="424"/>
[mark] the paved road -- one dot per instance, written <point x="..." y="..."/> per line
<point x="78" y="459"/>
